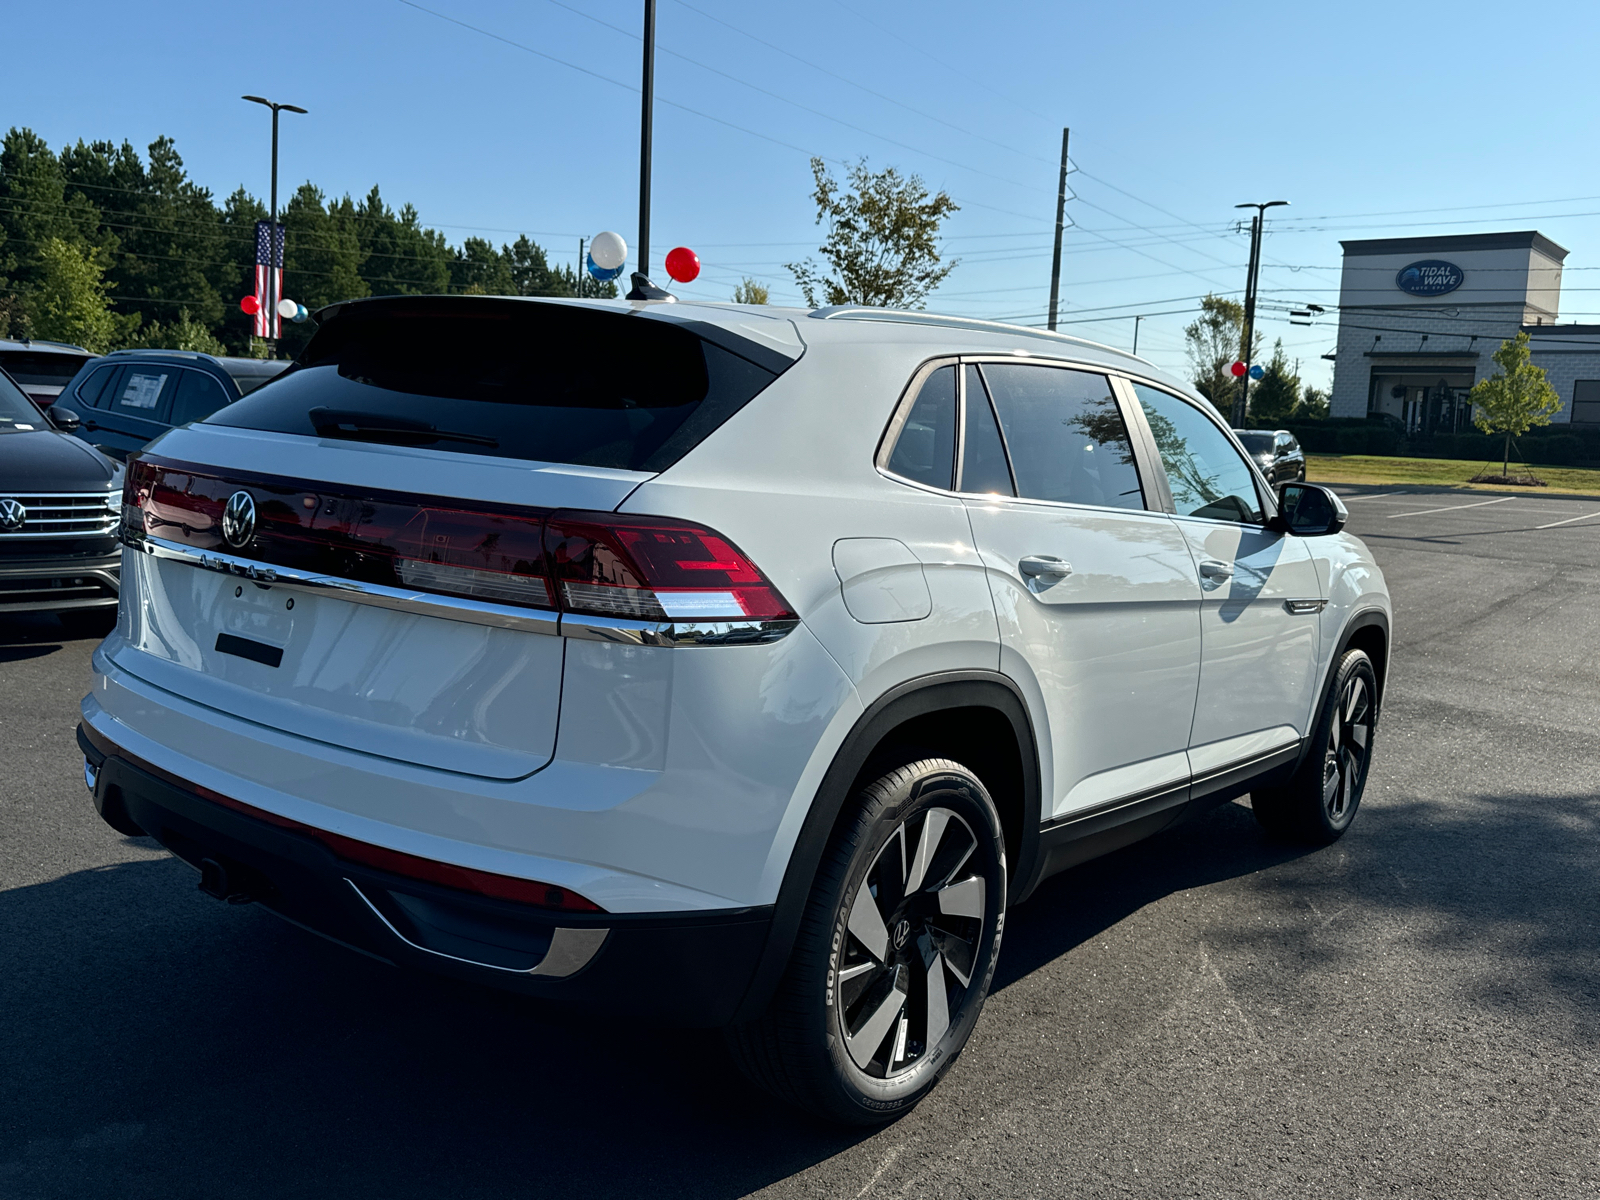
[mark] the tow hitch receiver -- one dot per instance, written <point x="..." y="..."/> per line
<point x="232" y="882"/>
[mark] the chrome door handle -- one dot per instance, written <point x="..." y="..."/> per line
<point x="1216" y="571"/>
<point x="1044" y="566"/>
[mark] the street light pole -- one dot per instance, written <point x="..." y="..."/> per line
<point x="1247" y="338"/>
<point x="648" y="87"/>
<point x="273" y="250"/>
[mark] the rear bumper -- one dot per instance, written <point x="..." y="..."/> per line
<point x="59" y="583"/>
<point x="680" y="968"/>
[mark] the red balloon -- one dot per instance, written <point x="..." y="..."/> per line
<point x="250" y="306"/>
<point x="683" y="264"/>
<point x="1238" y="369"/>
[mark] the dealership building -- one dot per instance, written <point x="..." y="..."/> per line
<point x="1420" y="320"/>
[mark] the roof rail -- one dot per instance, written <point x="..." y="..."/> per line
<point x="900" y="316"/>
<point x="199" y="355"/>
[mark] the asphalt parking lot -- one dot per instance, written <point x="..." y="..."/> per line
<point x="1413" y="1012"/>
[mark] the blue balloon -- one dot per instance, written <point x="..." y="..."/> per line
<point x="600" y="273"/>
<point x="1257" y="371"/>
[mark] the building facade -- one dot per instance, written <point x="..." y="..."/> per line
<point x="1421" y="318"/>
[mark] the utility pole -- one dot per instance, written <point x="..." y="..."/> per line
<point x="1136" y="321"/>
<point x="275" y="254"/>
<point x="1061" y="216"/>
<point x="648" y="88"/>
<point x="1247" y="338"/>
<point x="582" y="266"/>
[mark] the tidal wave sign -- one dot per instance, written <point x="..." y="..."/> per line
<point x="1431" y="277"/>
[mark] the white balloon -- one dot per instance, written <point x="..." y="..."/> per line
<point x="288" y="308"/>
<point x="608" y="250"/>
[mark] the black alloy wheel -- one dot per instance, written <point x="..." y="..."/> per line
<point x="895" y="953"/>
<point x="1320" y="800"/>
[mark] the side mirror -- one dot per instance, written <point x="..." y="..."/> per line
<point x="1309" y="510"/>
<point x="64" y="419"/>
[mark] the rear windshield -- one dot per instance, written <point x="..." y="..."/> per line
<point x="1257" y="443"/>
<point x="41" y="367"/>
<point x="543" y="382"/>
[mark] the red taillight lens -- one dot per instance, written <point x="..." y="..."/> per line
<point x="593" y="563"/>
<point x="654" y="569"/>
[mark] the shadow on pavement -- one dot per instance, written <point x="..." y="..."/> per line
<point x="159" y="1044"/>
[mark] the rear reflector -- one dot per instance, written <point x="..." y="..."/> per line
<point x="596" y="564"/>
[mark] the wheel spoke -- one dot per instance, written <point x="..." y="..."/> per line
<point x="964" y="899"/>
<point x="1356" y="697"/>
<point x="1335" y="731"/>
<point x="932" y="832"/>
<point x="1359" y="735"/>
<point x="938" y="1005"/>
<point x="864" y="1042"/>
<point x="866" y="923"/>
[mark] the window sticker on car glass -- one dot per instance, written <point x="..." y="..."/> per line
<point x="142" y="391"/>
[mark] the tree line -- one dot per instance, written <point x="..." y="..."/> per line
<point x="103" y="247"/>
<point x="1213" y="340"/>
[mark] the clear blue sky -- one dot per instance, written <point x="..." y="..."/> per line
<point x="1375" y="119"/>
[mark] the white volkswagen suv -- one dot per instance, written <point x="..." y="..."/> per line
<point x="725" y="665"/>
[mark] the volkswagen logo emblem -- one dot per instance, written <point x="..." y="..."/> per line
<point x="239" y="520"/>
<point x="902" y="931"/>
<point x="12" y="514"/>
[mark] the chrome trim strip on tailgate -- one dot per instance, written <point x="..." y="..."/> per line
<point x="475" y="612"/>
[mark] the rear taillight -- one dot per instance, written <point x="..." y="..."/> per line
<point x="589" y="563"/>
<point x="655" y="569"/>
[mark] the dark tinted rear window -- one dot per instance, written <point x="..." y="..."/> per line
<point x="533" y="381"/>
<point x="1256" y="443"/>
<point x="41" y="367"/>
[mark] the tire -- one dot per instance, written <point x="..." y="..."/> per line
<point x="1320" y="800"/>
<point x="88" y="622"/>
<point x="895" y="952"/>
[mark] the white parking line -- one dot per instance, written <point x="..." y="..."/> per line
<point x="1373" y="496"/>
<point x="1452" y="507"/>
<point x="1568" y="521"/>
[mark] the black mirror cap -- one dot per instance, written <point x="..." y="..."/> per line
<point x="64" y="419"/>
<point x="1309" y="510"/>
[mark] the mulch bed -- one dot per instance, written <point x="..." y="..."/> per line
<point x="1510" y="480"/>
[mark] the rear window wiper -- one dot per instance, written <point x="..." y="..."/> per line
<point x="398" y="431"/>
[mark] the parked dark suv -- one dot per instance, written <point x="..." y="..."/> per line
<point x="42" y="369"/>
<point x="60" y="502"/>
<point x="1276" y="452"/>
<point x="131" y="396"/>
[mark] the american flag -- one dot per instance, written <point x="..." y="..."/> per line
<point x="264" y="259"/>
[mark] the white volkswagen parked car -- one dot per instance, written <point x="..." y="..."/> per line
<point x="734" y="666"/>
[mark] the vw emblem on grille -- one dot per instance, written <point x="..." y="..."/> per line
<point x="239" y="519"/>
<point x="12" y="514"/>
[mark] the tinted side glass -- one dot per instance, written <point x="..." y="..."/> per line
<point x="145" y="392"/>
<point x="925" y="451"/>
<point x="92" y="391"/>
<point x="1207" y="476"/>
<point x="1066" y="435"/>
<point x="198" y="396"/>
<point x="542" y="382"/>
<point x="983" y="456"/>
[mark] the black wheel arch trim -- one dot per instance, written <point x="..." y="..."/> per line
<point x="1365" y="618"/>
<point x="906" y="701"/>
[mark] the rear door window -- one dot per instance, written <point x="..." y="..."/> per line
<point x="514" y="379"/>
<point x="983" y="455"/>
<point x="145" y="392"/>
<point x="925" y="450"/>
<point x="1066" y="435"/>
<point x="197" y="397"/>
